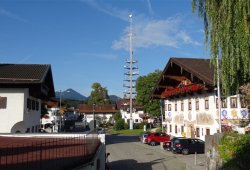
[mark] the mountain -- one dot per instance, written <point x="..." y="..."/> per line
<point x="70" y="94"/>
<point x="114" y="98"/>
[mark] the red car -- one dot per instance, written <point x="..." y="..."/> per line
<point x="157" y="137"/>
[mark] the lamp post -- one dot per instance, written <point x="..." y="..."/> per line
<point x="161" y="104"/>
<point x="218" y="93"/>
<point x="60" y="103"/>
<point x="94" y="125"/>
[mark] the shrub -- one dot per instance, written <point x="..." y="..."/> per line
<point x="126" y="126"/>
<point x="234" y="149"/>
<point x="119" y="125"/>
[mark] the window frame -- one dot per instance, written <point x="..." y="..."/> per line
<point x="206" y="103"/>
<point x="189" y="104"/>
<point x="233" y="100"/>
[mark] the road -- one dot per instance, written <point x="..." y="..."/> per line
<point x="127" y="153"/>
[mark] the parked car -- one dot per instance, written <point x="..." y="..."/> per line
<point x="169" y="144"/>
<point x="187" y="146"/>
<point x="155" y="138"/>
<point x="143" y="137"/>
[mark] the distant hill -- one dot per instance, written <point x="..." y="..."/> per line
<point x="114" y="98"/>
<point x="71" y="95"/>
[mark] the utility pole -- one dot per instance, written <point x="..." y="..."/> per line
<point x="218" y="93"/>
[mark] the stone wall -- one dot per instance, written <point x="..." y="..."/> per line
<point x="211" y="154"/>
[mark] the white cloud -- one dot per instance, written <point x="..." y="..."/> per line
<point x="151" y="11"/>
<point x="11" y="15"/>
<point x="186" y="38"/>
<point x="107" y="9"/>
<point x="168" y="33"/>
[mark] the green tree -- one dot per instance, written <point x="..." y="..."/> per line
<point x="144" y="87"/>
<point x="117" y="116"/>
<point x="227" y="35"/>
<point x="99" y="95"/>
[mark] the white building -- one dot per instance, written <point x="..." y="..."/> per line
<point x="123" y="106"/>
<point x="22" y="89"/>
<point x="191" y="105"/>
<point x="101" y="113"/>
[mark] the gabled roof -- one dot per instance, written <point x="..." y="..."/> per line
<point x="37" y="77"/>
<point x="199" y="70"/>
<point x="107" y="108"/>
<point x="125" y="103"/>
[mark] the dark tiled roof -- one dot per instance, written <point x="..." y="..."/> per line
<point x="23" y="73"/>
<point x="108" y="108"/>
<point x="201" y="68"/>
<point x="37" y="77"/>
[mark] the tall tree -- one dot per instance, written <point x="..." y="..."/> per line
<point x="227" y="35"/>
<point x="144" y="87"/>
<point x="99" y="95"/>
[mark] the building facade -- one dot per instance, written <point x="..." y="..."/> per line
<point x="191" y="101"/>
<point x="23" y="87"/>
<point x="124" y="108"/>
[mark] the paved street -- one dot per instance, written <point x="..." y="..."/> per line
<point x="127" y="153"/>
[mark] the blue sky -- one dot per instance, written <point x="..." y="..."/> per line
<point x="87" y="41"/>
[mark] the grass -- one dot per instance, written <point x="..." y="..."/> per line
<point x="126" y="132"/>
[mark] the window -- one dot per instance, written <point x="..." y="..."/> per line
<point x="197" y="104"/>
<point x="242" y="102"/>
<point x="206" y="103"/>
<point x="175" y="107"/>
<point x="197" y="132"/>
<point x="28" y="103"/>
<point x="136" y="120"/>
<point x="182" y="129"/>
<point x="182" y="106"/>
<point x="175" y="128"/>
<point x="33" y="105"/>
<point x="189" y="105"/>
<point x="207" y="131"/>
<point x="233" y="102"/>
<point x="169" y="107"/>
<point x="37" y="105"/>
<point x="223" y="103"/>
<point x="3" y="102"/>
<point x="170" y="128"/>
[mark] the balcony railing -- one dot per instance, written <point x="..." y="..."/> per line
<point x="28" y="153"/>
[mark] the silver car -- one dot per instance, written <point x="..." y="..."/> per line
<point x="143" y="137"/>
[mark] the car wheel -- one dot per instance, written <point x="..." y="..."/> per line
<point x="185" y="151"/>
<point x="152" y="143"/>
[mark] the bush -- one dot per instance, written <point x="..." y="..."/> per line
<point x="119" y="125"/>
<point x="234" y="149"/>
<point x="126" y="126"/>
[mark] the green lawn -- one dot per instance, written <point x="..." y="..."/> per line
<point x="126" y="132"/>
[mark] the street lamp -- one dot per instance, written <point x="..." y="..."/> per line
<point x="60" y="105"/>
<point x="219" y="93"/>
<point x="161" y="104"/>
<point x="94" y="125"/>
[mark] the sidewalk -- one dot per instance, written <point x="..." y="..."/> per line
<point x="184" y="162"/>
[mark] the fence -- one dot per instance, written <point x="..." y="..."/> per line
<point x="29" y="153"/>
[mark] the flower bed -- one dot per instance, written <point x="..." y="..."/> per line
<point x="182" y="90"/>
